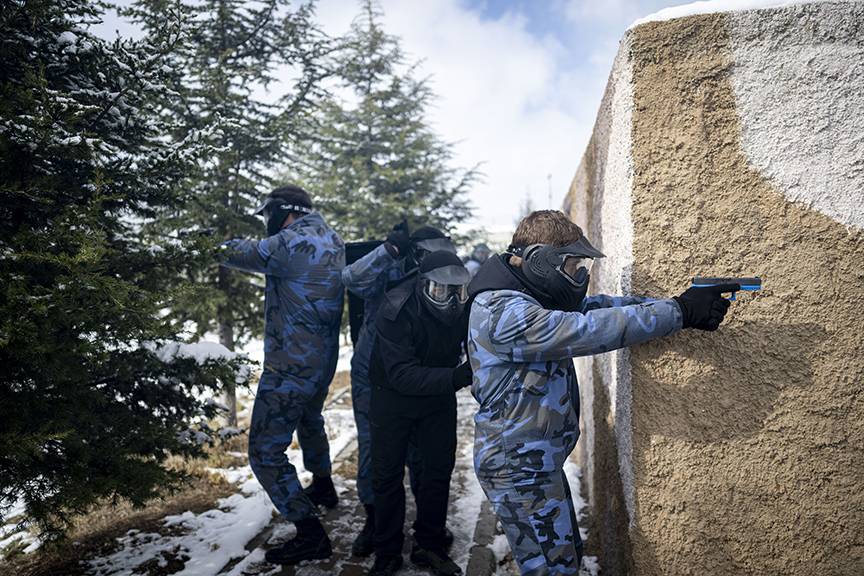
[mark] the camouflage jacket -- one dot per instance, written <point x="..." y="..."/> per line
<point x="368" y="278"/>
<point x="303" y="296"/>
<point x="524" y="379"/>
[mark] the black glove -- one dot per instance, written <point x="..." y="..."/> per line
<point x="704" y="307"/>
<point x="462" y="376"/>
<point x="399" y="239"/>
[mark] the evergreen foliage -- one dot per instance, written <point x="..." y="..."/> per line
<point x="91" y="400"/>
<point x="375" y="159"/>
<point x="237" y="49"/>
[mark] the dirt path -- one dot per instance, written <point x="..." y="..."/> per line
<point x="345" y="521"/>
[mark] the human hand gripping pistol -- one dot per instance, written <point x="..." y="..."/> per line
<point x="750" y="284"/>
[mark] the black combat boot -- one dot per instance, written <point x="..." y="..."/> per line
<point x="437" y="560"/>
<point x="386" y="565"/>
<point x="322" y="492"/>
<point x="311" y="543"/>
<point x="448" y="539"/>
<point x="364" y="544"/>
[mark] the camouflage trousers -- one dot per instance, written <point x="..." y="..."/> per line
<point x="537" y="514"/>
<point x="283" y="405"/>
<point x="361" y="395"/>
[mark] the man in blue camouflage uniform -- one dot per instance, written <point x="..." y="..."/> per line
<point x="369" y="278"/>
<point x="530" y="316"/>
<point x="302" y="259"/>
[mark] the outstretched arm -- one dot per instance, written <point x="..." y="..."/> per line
<point x="268" y="256"/>
<point x="605" y="301"/>
<point x="520" y="330"/>
<point x="366" y="277"/>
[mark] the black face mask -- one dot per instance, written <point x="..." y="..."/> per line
<point x="444" y="293"/>
<point x="448" y="314"/>
<point x="558" y="277"/>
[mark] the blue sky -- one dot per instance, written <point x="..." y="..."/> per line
<point x="519" y="83"/>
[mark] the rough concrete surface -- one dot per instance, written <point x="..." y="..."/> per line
<point x="747" y="443"/>
<point x="798" y="77"/>
<point x="602" y="209"/>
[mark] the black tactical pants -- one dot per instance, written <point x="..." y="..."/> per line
<point x="432" y="422"/>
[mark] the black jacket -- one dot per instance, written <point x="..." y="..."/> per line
<point x="415" y="354"/>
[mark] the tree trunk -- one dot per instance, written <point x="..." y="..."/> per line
<point x="226" y="338"/>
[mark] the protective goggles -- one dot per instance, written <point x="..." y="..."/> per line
<point x="444" y="293"/>
<point x="271" y="205"/>
<point x="571" y="268"/>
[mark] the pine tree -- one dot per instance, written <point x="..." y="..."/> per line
<point x="94" y="392"/>
<point x="375" y="159"/>
<point x="237" y="49"/>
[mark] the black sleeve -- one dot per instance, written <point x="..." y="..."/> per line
<point x="401" y="363"/>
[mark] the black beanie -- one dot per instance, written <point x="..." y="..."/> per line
<point x="439" y="259"/>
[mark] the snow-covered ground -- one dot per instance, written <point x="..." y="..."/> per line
<point x="232" y="537"/>
<point x="207" y="542"/>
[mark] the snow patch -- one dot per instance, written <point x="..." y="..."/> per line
<point x="574" y="479"/>
<point x="464" y="483"/>
<point x="500" y="547"/>
<point x="590" y="566"/>
<point x="202" y="352"/>
<point x="344" y="362"/>
<point x="252" y="564"/>
<point x="66" y="38"/>
<point x="206" y="541"/>
<point x="711" y="6"/>
<point x="17" y="531"/>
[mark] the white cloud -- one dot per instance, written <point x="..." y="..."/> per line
<point x="521" y="103"/>
<point x="506" y="97"/>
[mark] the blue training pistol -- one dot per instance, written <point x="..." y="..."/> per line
<point x="750" y="284"/>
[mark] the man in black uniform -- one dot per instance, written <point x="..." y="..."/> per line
<point x="416" y="371"/>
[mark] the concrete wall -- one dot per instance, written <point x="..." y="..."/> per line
<point x="731" y="144"/>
